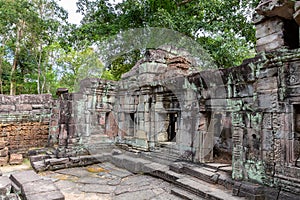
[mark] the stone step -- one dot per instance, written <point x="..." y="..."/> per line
<point x="204" y="173"/>
<point x="204" y="189"/>
<point x="219" y="167"/>
<point x="183" y="194"/>
<point x="167" y="175"/>
<point x="191" y="184"/>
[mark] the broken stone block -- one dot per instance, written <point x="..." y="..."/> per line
<point x="22" y="177"/>
<point x="23" y="107"/>
<point x="16" y="159"/>
<point x="4" y="152"/>
<point x="3" y="160"/>
<point x="279" y="8"/>
<point x="2" y="144"/>
<point x="116" y="152"/>
<point x="5" y="185"/>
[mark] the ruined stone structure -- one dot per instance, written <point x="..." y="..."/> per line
<point x="24" y="124"/>
<point x="277" y="23"/>
<point x="166" y="109"/>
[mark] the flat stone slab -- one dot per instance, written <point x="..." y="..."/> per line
<point x="33" y="187"/>
<point x="52" y="195"/>
<point x="145" y="194"/>
<point x="207" y="190"/>
<point x="5" y="185"/>
<point x="203" y="171"/>
<point x="20" y="178"/>
<point x="92" y="180"/>
<point x="226" y="169"/>
<point x="38" y="186"/>
<point x="217" y="165"/>
<point x="78" y="172"/>
<point x="121" y="173"/>
<point x="96" y="188"/>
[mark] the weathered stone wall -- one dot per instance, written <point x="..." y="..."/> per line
<point x="277" y="24"/>
<point x="83" y="122"/>
<point x="262" y="97"/>
<point x="24" y="123"/>
<point x="251" y="113"/>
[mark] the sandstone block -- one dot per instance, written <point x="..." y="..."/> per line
<point x="279" y="8"/>
<point x="3" y="161"/>
<point x="271" y="38"/>
<point x="7" y="108"/>
<point x="269" y="27"/>
<point x="23" y="107"/>
<point x="2" y="144"/>
<point x="16" y="159"/>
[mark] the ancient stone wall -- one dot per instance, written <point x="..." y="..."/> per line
<point x="277" y="24"/>
<point x="249" y="113"/>
<point x="262" y="99"/>
<point x="24" y="123"/>
<point x="84" y="122"/>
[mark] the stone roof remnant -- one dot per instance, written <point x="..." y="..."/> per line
<point x="277" y="25"/>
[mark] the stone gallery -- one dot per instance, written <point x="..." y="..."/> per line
<point x="164" y="112"/>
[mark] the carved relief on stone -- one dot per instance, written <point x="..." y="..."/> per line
<point x="293" y="74"/>
<point x="277" y="152"/>
<point x="267" y="121"/>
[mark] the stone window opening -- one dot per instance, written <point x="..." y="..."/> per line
<point x="172" y="127"/>
<point x="131" y="125"/>
<point x="291" y="34"/>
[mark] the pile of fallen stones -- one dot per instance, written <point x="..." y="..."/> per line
<point x="3" y="153"/>
<point x="5" y="157"/>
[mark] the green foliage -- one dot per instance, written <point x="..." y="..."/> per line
<point x="222" y="27"/>
<point x="40" y="51"/>
<point x="74" y="66"/>
<point x="124" y="63"/>
<point x="27" y="28"/>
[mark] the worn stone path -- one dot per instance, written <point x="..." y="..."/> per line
<point x="105" y="181"/>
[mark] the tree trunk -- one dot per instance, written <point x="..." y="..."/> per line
<point x="39" y="70"/>
<point x="13" y="81"/>
<point x="1" y="61"/>
<point x="13" y="78"/>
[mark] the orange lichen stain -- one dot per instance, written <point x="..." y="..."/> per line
<point x="95" y="169"/>
<point x="64" y="177"/>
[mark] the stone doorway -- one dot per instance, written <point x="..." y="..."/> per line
<point x="172" y="127"/>
<point x="215" y="138"/>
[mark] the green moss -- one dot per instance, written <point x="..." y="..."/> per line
<point x="255" y="171"/>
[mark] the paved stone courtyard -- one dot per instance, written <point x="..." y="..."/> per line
<point x="106" y="181"/>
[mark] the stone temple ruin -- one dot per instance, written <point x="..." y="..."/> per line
<point x="166" y="111"/>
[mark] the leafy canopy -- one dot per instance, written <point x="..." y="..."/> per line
<point x="223" y="28"/>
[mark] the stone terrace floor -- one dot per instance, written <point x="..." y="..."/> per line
<point x="103" y="182"/>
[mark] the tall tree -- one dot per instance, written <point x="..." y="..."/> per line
<point x="222" y="27"/>
<point x="27" y="28"/>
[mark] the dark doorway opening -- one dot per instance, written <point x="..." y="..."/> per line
<point x="172" y="127"/>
